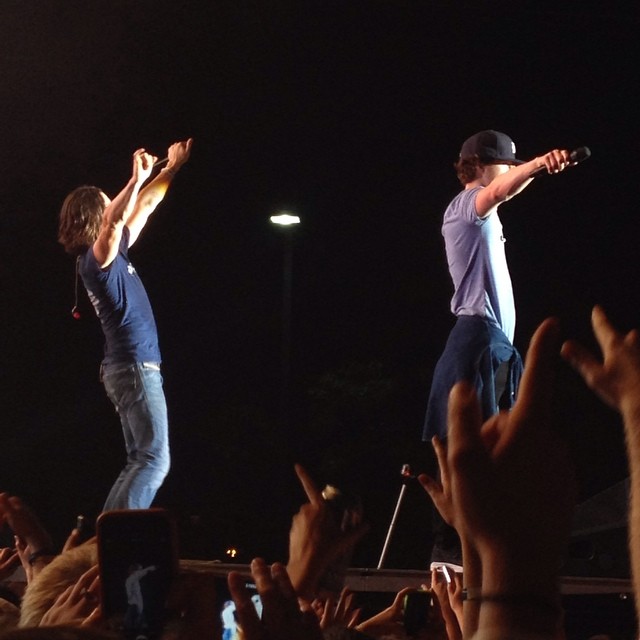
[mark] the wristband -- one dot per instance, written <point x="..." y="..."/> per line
<point x="40" y="554"/>
<point x="471" y="593"/>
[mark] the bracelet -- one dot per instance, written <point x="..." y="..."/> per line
<point x="518" y="599"/>
<point x="40" y="554"/>
<point x="471" y="593"/>
<point x="171" y="172"/>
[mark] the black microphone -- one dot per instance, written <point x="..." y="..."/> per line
<point x="576" y="157"/>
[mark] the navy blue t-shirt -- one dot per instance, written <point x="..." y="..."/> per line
<point x="122" y="306"/>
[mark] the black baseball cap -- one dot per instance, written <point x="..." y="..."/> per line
<point x="492" y="147"/>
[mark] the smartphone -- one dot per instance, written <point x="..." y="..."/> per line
<point x="445" y="572"/>
<point x="415" y="611"/>
<point x="226" y="607"/>
<point x="138" y="559"/>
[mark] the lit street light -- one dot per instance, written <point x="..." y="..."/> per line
<point x="285" y="219"/>
<point x="287" y="222"/>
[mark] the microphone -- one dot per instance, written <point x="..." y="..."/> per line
<point x="579" y="154"/>
<point x="576" y="157"/>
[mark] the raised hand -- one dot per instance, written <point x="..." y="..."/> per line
<point x="282" y="616"/>
<point x="615" y="377"/>
<point x="316" y="539"/>
<point x="511" y="478"/>
<point x="342" y="613"/>
<point x="509" y="483"/>
<point x="33" y="542"/>
<point x="76" y="605"/>
<point x="388" y="621"/>
<point x="449" y="595"/>
<point x="142" y="165"/>
<point x="440" y="490"/>
<point x="9" y="560"/>
<point x="179" y="153"/>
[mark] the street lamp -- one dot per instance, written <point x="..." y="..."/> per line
<point x="285" y="219"/>
<point x="287" y="223"/>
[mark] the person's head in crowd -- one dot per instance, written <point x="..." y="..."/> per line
<point x="63" y="571"/>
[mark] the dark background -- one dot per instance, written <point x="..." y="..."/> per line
<point x="349" y="113"/>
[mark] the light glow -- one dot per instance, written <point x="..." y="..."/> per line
<point x="285" y="219"/>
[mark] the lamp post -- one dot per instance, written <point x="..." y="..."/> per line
<point x="287" y="223"/>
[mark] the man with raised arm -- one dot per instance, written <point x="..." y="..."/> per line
<point x="100" y="232"/>
<point x="480" y="346"/>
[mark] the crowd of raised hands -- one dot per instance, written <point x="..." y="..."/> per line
<point x="506" y="485"/>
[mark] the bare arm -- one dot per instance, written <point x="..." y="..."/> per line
<point x="616" y="379"/>
<point x="441" y="494"/>
<point x="506" y="185"/>
<point x="517" y="517"/>
<point x="152" y="195"/>
<point x="118" y="211"/>
<point x="33" y="542"/>
<point x="284" y="617"/>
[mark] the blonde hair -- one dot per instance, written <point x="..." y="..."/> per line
<point x="62" y="571"/>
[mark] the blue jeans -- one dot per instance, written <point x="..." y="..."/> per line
<point x="136" y="392"/>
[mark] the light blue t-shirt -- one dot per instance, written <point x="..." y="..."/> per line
<point x="478" y="264"/>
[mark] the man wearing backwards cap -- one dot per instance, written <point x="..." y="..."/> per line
<point x="480" y="346"/>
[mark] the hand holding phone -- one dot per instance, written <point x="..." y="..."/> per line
<point x="416" y="607"/>
<point x="137" y="557"/>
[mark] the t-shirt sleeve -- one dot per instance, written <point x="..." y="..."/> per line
<point x="467" y="206"/>
<point x="91" y="264"/>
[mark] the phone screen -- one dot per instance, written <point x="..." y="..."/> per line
<point x="227" y="608"/>
<point x="137" y="558"/>
<point x="416" y="611"/>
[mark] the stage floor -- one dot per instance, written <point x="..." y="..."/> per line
<point x="392" y="580"/>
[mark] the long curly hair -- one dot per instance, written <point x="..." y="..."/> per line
<point x="80" y="219"/>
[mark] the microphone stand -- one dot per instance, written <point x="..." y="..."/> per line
<point x="406" y="476"/>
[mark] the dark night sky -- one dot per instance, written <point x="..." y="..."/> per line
<point x="350" y="113"/>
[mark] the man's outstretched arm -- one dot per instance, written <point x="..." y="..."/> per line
<point x="511" y="183"/>
<point x="151" y="195"/>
